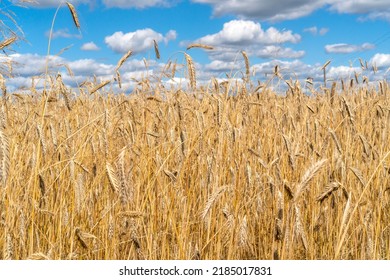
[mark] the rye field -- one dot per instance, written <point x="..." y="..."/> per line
<point x="218" y="170"/>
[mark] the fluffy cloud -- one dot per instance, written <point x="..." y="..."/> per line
<point x="90" y="46"/>
<point x="381" y="60"/>
<point x="347" y="48"/>
<point x="237" y="35"/>
<point x="27" y="66"/>
<point x="33" y="64"/>
<point x="137" y="41"/>
<point x="342" y="72"/>
<point x="242" y="32"/>
<point x="89" y="67"/>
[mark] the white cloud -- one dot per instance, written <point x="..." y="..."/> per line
<point x="237" y="35"/>
<point x="228" y="54"/>
<point x="137" y="41"/>
<point x="170" y="36"/>
<point x="278" y="52"/>
<point x="33" y="64"/>
<point x="381" y="60"/>
<point x="347" y="48"/>
<point x="315" y="31"/>
<point x="243" y="32"/>
<point x="222" y="66"/>
<point x="360" y="6"/>
<point x="90" y="67"/>
<point x="90" y="46"/>
<point x="62" y="33"/>
<point x="27" y="66"/>
<point x="342" y="72"/>
<point x="382" y="15"/>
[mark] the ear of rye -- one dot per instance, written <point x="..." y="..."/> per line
<point x="74" y="14"/>
<point x="306" y="178"/>
<point x="123" y="59"/>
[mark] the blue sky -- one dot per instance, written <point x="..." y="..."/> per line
<point x="298" y="35"/>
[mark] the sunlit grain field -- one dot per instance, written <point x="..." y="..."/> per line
<point x="219" y="170"/>
<point x="175" y="174"/>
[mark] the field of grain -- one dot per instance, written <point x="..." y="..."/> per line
<point x="222" y="170"/>
<point x="163" y="174"/>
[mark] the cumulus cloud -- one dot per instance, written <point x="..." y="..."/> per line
<point x="90" y="67"/>
<point x="33" y="64"/>
<point x="237" y="35"/>
<point x="347" y="48"/>
<point x="27" y="66"/>
<point x="315" y="31"/>
<point x="342" y="72"/>
<point x="90" y="46"/>
<point x="137" y="41"/>
<point x="241" y="32"/>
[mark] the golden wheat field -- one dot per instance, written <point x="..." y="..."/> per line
<point x="162" y="174"/>
<point x="231" y="170"/>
